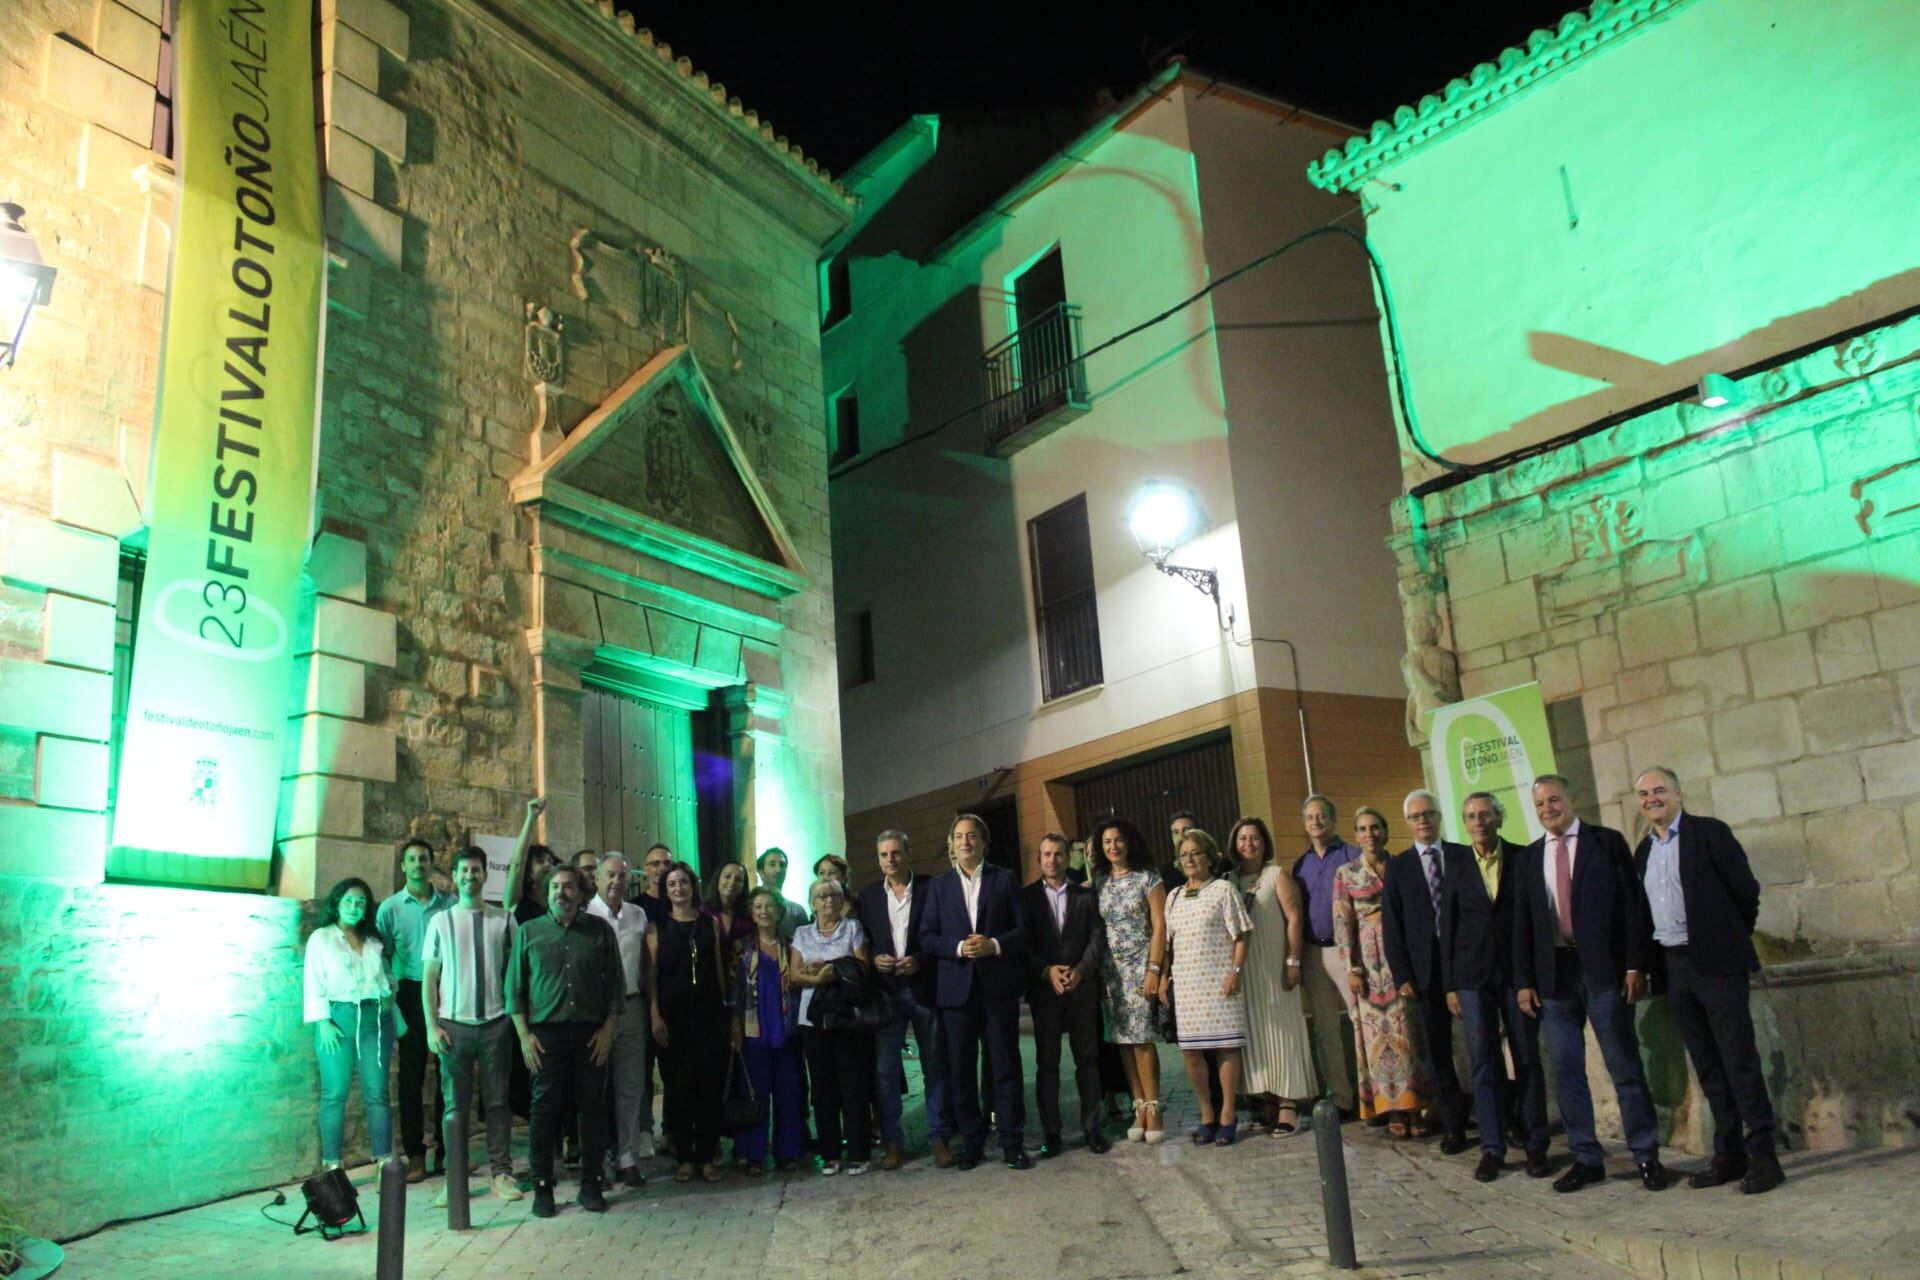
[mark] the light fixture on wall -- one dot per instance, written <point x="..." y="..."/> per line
<point x="26" y="281"/>
<point x="1161" y="517"/>
<point x="1717" y="391"/>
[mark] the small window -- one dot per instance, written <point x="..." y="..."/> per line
<point x="856" y="651"/>
<point x="163" y="83"/>
<point x="843" y="441"/>
<point x="1065" y="611"/>
<point x="836" y="293"/>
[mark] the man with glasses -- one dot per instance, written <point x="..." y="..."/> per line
<point x="1329" y="998"/>
<point x="1415" y="892"/>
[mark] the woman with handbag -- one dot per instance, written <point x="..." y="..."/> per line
<point x="687" y="983"/>
<point x="769" y="1045"/>
<point x="839" y="1063"/>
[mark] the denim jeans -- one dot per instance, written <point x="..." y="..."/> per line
<point x="1563" y="1024"/>
<point x="890" y="1074"/>
<point x="366" y="1046"/>
<point x="1485" y="1012"/>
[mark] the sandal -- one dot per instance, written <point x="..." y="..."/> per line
<point x="683" y="1174"/>
<point x="1226" y="1134"/>
<point x="1286" y="1122"/>
<point x="1137" y="1130"/>
<point x="709" y="1174"/>
<point x="1418" y="1129"/>
<point x="1152" y="1108"/>
<point x="1396" y="1129"/>
<point x="1203" y="1135"/>
<point x="756" y="1171"/>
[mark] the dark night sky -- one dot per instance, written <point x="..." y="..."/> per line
<point x="837" y="82"/>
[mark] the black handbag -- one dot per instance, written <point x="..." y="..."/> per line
<point x="1161" y="1011"/>
<point x="855" y="1003"/>
<point x="742" y="1107"/>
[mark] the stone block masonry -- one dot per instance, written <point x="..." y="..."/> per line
<point x="130" y="1017"/>
<point x="153" y="1052"/>
<point x="1770" y="659"/>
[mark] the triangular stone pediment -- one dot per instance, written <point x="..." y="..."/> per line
<point x="657" y="467"/>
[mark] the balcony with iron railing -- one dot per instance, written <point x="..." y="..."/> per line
<point x="1036" y="380"/>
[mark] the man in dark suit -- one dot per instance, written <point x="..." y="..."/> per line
<point x="1415" y="881"/>
<point x="1476" y="969"/>
<point x="1701" y="903"/>
<point x="1580" y="954"/>
<point x="1065" y="941"/>
<point x="977" y="941"/>
<point x="891" y="913"/>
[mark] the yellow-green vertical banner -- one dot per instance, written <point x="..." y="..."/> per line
<point x="1498" y="743"/>
<point x="231" y="489"/>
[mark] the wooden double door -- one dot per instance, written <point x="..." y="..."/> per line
<point x="641" y="777"/>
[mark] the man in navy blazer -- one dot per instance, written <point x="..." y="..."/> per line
<point x="1580" y="954"/>
<point x="1411" y="922"/>
<point x="976" y="936"/>
<point x="1476" y="969"/>
<point x="1066" y="940"/>
<point x="892" y="912"/>
<point x="1701" y="904"/>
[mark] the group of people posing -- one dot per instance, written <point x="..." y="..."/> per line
<point x="750" y="1003"/>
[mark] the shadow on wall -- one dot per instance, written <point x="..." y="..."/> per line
<point x="1631" y="380"/>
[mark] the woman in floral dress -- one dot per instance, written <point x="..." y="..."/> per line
<point x="1207" y="927"/>
<point x="1386" y="1036"/>
<point x="1133" y="904"/>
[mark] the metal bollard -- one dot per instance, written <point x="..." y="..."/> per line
<point x="458" y="1218"/>
<point x="392" y="1244"/>
<point x="1333" y="1184"/>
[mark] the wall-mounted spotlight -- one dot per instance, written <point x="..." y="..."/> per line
<point x="1717" y="391"/>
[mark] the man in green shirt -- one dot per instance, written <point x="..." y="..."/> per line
<point x="564" y="992"/>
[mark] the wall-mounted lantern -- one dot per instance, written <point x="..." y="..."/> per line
<point x="1161" y="517"/>
<point x="26" y="281"/>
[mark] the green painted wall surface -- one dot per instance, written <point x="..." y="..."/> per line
<point x="138" y="1020"/>
<point x="1729" y="183"/>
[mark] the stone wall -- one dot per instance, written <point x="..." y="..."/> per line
<point x="1734" y="593"/>
<point x="151" y="1050"/>
<point x="468" y="177"/>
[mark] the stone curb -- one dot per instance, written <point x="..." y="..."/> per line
<point x="1655" y="1259"/>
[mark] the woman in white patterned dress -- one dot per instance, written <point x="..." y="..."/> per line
<point x="1278" y="1065"/>
<point x="1207" y="927"/>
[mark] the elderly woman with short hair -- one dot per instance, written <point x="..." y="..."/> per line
<point x="839" y="1062"/>
<point x="1207" y="928"/>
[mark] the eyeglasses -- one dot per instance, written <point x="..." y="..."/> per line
<point x="1424" y="815"/>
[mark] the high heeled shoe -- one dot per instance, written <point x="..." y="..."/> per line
<point x="1138" y="1129"/>
<point x="1153" y="1136"/>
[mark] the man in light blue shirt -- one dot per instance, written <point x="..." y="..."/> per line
<point x="402" y="922"/>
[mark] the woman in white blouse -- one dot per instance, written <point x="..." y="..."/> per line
<point x="348" y="1001"/>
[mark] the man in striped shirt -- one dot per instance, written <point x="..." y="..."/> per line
<point x="465" y="965"/>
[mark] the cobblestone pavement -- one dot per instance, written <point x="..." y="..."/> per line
<point x="1253" y="1209"/>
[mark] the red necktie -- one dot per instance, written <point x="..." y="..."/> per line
<point x="1563" y="887"/>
